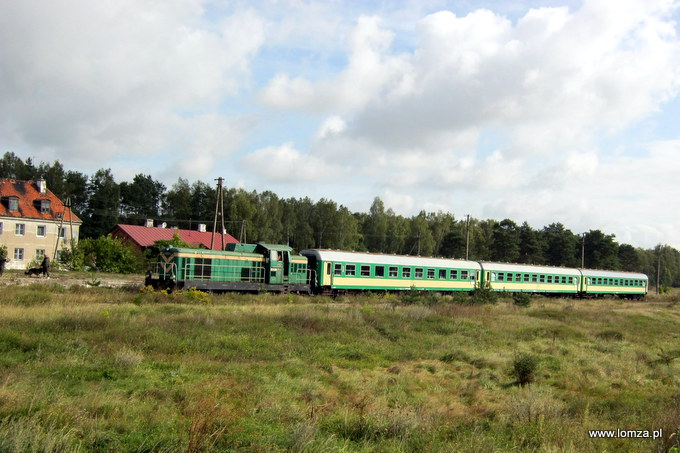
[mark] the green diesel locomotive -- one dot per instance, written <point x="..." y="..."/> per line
<point x="242" y="267"/>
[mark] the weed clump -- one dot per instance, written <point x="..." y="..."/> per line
<point x="524" y="369"/>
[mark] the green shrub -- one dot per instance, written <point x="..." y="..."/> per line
<point x="105" y="254"/>
<point x="524" y="368"/>
<point x="483" y="296"/>
<point x="521" y="299"/>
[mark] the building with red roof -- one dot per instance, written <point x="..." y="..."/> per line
<point x="33" y="222"/>
<point x="143" y="237"/>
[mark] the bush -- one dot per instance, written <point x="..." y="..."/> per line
<point x="524" y="368"/>
<point x="484" y="295"/>
<point x="521" y="299"/>
<point x="105" y="254"/>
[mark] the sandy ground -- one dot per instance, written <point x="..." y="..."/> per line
<point x="64" y="279"/>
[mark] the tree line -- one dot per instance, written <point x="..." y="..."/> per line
<point x="102" y="202"/>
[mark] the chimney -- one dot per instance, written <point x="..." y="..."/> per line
<point x="42" y="185"/>
<point x="163" y="225"/>
<point x="149" y="223"/>
<point x="201" y="227"/>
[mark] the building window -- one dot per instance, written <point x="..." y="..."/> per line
<point x="41" y="231"/>
<point x="40" y="254"/>
<point x="0" y="227"/>
<point x="45" y="206"/>
<point x="13" y="204"/>
<point x="351" y="270"/>
<point x="19" y="254"/>
<point x="62" y="232"/>
<point x="20" y="229"/>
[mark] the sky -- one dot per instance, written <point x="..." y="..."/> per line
<point x="538" y="111"/>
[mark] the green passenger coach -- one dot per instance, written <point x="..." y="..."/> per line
<point x="336" y="271"/>
<point x="598" y="283"/>
<point x="242" y="267"/>
<point x="519" y="278"/>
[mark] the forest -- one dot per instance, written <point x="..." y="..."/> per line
<point x="102" y="202"/>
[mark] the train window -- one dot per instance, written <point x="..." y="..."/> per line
<point x="564" y="279"/>
<point x="365" y="270"/>
<point x="509" y="276"/>
<point x="549" y="278"/>
<point x="501" y="276"/>
<point x="328" y="268"/>
<point x="351" y="270"/>
<point x="442" y="274"/>
<point x="526" y="277"/>
<point x="453" y="274"/>
<point x="337" y="269"/>
<point x="534" y="278"/>
<point x="202" y="268"/>
<point x="473" y="276"/>
<point x="406" y="272"/>
<point x="380" y="271"/>
<point x="394" y="272"/>
<point x="463" y="275"/>
<point x="541" y="278"/>
<point x="419" y="272"/>
<point x="430" y="273"/>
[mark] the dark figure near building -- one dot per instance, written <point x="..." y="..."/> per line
<point x="46" y="266"/>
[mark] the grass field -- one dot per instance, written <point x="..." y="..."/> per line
<point x="96" y="369"/>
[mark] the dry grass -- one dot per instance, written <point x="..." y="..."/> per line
<point x="118" y="370"/>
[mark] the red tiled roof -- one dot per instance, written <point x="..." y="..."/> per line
<point x="146" y="236"/>
<point x="27" y="193"/>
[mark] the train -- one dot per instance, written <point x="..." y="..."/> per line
<point x="264" y="267"/>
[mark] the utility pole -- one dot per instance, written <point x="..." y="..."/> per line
<point x="67" y="206"/>
<point x="583" y="250"/>
<point x="467" y="237"/>
<point x="219" y="208"/>
<point x="658" y="271"/>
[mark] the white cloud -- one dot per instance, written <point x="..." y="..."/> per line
<point x="286" y="164"/>
<point x="92" y="80"/>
